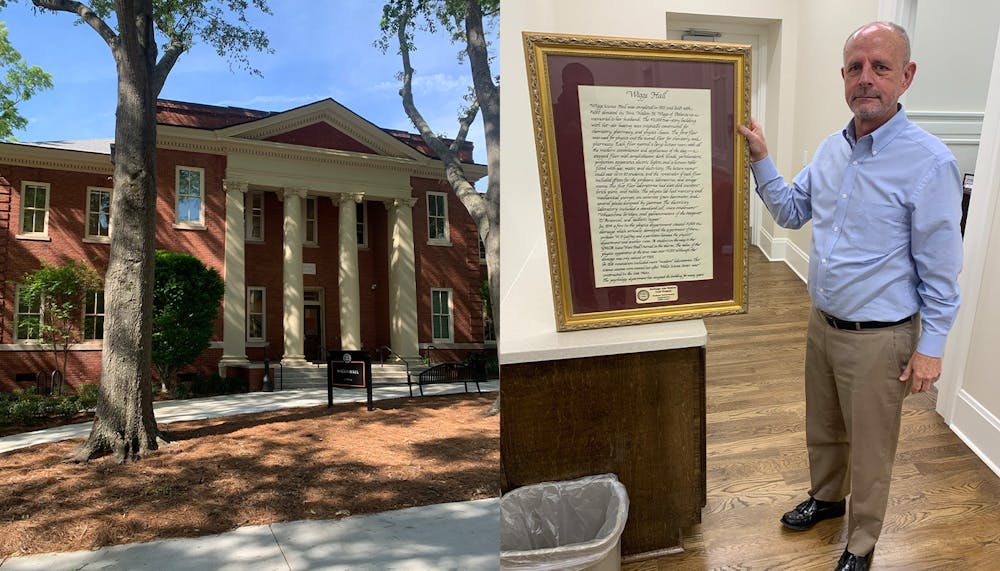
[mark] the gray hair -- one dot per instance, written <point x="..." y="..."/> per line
<point x="894" y="27"/>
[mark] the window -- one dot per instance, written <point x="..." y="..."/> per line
<point x="93" y="316"/>
<point x="441" y="315"/>
<point x="35" y="209"/>
<point x="255" y="314"/>
<point x="482" y="252"/>
<point x="190" y="197"/>
<point x="437" y="218"/>
<point x="254" y="212"/>
<point x="98" y="214"/>
<point x="362" y="226"/>
<point x="311" y="230"/>
<point x="27" y="319"/>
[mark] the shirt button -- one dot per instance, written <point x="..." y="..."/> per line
<point x="874" y="153"/>
<point x="836" y="228"/>
<point x="823" y="260"/>
<point x="855" y="163"/>
<point x="843" y="196"/>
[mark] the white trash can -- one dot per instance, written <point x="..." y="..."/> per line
<point x="572" y="525"/>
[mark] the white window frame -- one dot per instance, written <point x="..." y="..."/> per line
<point x="252" y="211"/>
<point x="34" y="234"/>
<point x="263" y="313"/>
<point x="98" y="333"/>
<point x="18" y="316"/>
<point x="444" y="240"/>
<point x="450" y="315"/>
<point x="362" y="220"/>
<point x="189" y="224"/>
<point x="310" y="238"/>
<point x="99" y="238"/>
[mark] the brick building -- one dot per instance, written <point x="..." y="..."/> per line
<point x="329" y="233"/>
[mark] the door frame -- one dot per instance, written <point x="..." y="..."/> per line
<point x="321" y="304"/>
<point x="758" y="33"/>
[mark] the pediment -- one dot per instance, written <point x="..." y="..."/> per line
<point x="325" y="124"/>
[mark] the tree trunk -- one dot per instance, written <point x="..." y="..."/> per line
<point x="125" y="425"/>
<point x="488" y="97"/>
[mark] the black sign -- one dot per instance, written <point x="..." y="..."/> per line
<point x="349" y="369"/>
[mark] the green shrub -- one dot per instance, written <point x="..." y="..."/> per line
<point x="180" y="391"/>
<point x="218" y="385"/>
<point x="237" y="385"/>
<point x="23" y="406"/>
<point x="87" y="396"/>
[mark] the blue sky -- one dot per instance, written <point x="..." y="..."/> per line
<point x="321" y="49"/>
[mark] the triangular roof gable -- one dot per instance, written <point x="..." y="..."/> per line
<point x="325" y="124"/>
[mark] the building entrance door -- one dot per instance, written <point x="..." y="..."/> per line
<point x="312" y="325"/>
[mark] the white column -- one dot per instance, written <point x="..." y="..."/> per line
<point x="235" y="300"/>
<point x="293" y="290"/>
<point x="348" y="276"/>
<point x="402" y="280"/>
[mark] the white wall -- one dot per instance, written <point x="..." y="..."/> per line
<point x="968" y="392"/>
<point x="954" y="53"/>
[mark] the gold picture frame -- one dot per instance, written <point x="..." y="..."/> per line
<point x="644" y="176"/>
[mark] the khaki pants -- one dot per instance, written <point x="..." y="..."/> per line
<point x="854" y="401"/>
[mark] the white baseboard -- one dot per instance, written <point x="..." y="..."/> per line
<point x="784" y="250"/>
<point x="979" y="428"/>
<point x="765" y="242"/>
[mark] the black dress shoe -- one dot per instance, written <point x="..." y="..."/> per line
<point x="851" y="562"/>
<point x="811" y="512"/>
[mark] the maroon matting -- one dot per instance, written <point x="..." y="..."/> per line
<point x="565" y="73"/>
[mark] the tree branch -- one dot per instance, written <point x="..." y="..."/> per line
<point x="170" y="55"/>
<point x="463" y="126"/>
<point x="85" y="14"/>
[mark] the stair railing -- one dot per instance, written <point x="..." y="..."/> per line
<point x="381" y="363"/>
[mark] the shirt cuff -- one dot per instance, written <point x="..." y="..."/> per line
<point x="764" y="171"/>
<point x="931" y="344"/>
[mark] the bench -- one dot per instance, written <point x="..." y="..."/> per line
<point x="471" y="370"/>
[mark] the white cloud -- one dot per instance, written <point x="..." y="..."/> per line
<point x="433" y="84"/>
<point x="439" y="83"/>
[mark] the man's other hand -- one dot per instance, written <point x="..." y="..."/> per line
<point x="924" y="370"/>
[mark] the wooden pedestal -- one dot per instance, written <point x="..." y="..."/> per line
<point x="640" y="416"/>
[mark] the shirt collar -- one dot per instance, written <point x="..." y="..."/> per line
<point x="884" y="134"/>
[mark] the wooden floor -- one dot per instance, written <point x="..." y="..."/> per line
<point x="944" y="506"/>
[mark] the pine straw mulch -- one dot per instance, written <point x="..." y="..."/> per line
<point x="222" y="473"/>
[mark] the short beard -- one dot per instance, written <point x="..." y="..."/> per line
<point x="867" y="113"/>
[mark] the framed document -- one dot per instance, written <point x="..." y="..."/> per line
<point x="643" y="175"/>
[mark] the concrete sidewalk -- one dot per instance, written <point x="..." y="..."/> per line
<point x="461" y="535"/>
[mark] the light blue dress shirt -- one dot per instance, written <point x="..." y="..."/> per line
<point x="886" y="241"/>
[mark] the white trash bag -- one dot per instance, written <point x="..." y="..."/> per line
<point x="565" y="526"/>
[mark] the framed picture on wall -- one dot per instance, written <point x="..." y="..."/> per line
<point x="644" y="176"/>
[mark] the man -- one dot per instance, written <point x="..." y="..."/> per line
<point x="884" y="197"/>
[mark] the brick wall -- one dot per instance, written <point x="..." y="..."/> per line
<point x="455" y="266"/>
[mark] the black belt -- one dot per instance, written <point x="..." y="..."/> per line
<point x="859" y="325"/>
